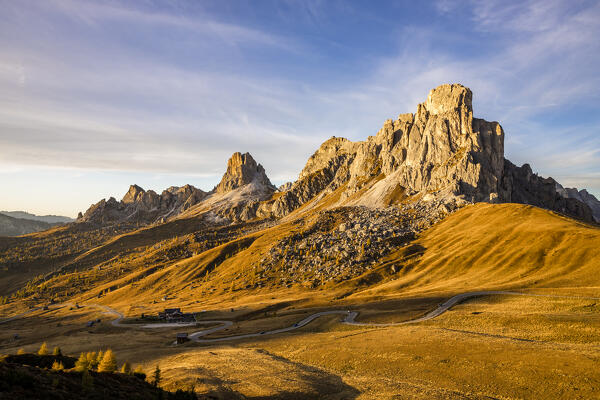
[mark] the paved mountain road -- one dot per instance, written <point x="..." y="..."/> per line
<point x="349" y="317"/>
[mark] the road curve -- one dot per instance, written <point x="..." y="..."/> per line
<point x="349" y="317"/>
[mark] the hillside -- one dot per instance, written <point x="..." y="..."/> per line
<point x="30" y="376"/>
<point x="51" y="219"/>
<point x="483" y="246"/>
<point x="10" y="226"/>
<point x="504" y="246"/>
<point x="402" y="265"/>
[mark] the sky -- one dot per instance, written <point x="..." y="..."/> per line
<point x="98" y="95"/>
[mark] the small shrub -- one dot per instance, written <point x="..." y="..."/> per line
<point x="21" y="351"/>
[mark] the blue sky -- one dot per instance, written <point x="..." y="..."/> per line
<point x="97" y="95"/>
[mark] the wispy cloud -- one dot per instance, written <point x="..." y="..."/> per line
<point x="96" y="13"/>
<point x="120" y="86"/>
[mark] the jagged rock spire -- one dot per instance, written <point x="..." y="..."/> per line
<point x="133" y="194"/>
<point x="242" y="169"/>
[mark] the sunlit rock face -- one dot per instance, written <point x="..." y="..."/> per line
<point x="439" y="152"/>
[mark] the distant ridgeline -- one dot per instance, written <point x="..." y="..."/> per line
<point x="14" y="223"/>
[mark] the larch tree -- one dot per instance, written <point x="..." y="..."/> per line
<point x="82" y="363"/>
<point x="108" y="363"/>
<point x="43" y="351"/>
<point x="126" y="368"/>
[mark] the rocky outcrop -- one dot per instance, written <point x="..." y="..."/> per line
<point x="285" y="187"/>
<point x="142" y="206"/>
<point x="521" y="185"/>
<point x="440" y="152"/>
<point x="242" y="169"/>
<point x="238" y="196"/>
<point x="583" y="196"/>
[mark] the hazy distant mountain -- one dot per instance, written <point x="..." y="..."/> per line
<point x="51" y="219"/>
<point x="10" y="226"/>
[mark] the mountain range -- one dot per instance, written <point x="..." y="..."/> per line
<point x="441" y="154"/>
<point x="353" y="205"/>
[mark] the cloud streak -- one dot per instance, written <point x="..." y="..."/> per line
<point x="109" y="86"/>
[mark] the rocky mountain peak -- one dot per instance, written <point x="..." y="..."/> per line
<point x="449" y="98"/>
<point x="440" y="152"/>
<point x="133" y="194"/>
<point x="242" y="169"/>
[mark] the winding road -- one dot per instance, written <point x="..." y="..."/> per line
<point x="349" y="317"/>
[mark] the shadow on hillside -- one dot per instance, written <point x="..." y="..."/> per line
<point x="320" y="384"/>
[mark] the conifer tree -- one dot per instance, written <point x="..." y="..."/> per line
<point x="126" y="368"/>
<point x="58" y="365"/>
<point x="108" y="363"/>
<point x="99" y="356"/>
<point x="57" y="351"/>
<point x="43" y="351"/>
<point x="90" y="358"/>
<point x="156" y="376"/>
<point x="82" y="363"/>
<point x="21" y="351"/>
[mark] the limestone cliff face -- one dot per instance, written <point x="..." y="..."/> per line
<point x="236" y="198"/>
<point x="440" y="150"/>
<point x="583" y="196"/>
<point x="521" y="185"/>
<point x="242" y="169"/>
<point x="439" y="153"/>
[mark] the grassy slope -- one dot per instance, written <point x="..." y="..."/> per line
<point x="504" y="246"/>
<point x="483" y="246"/>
